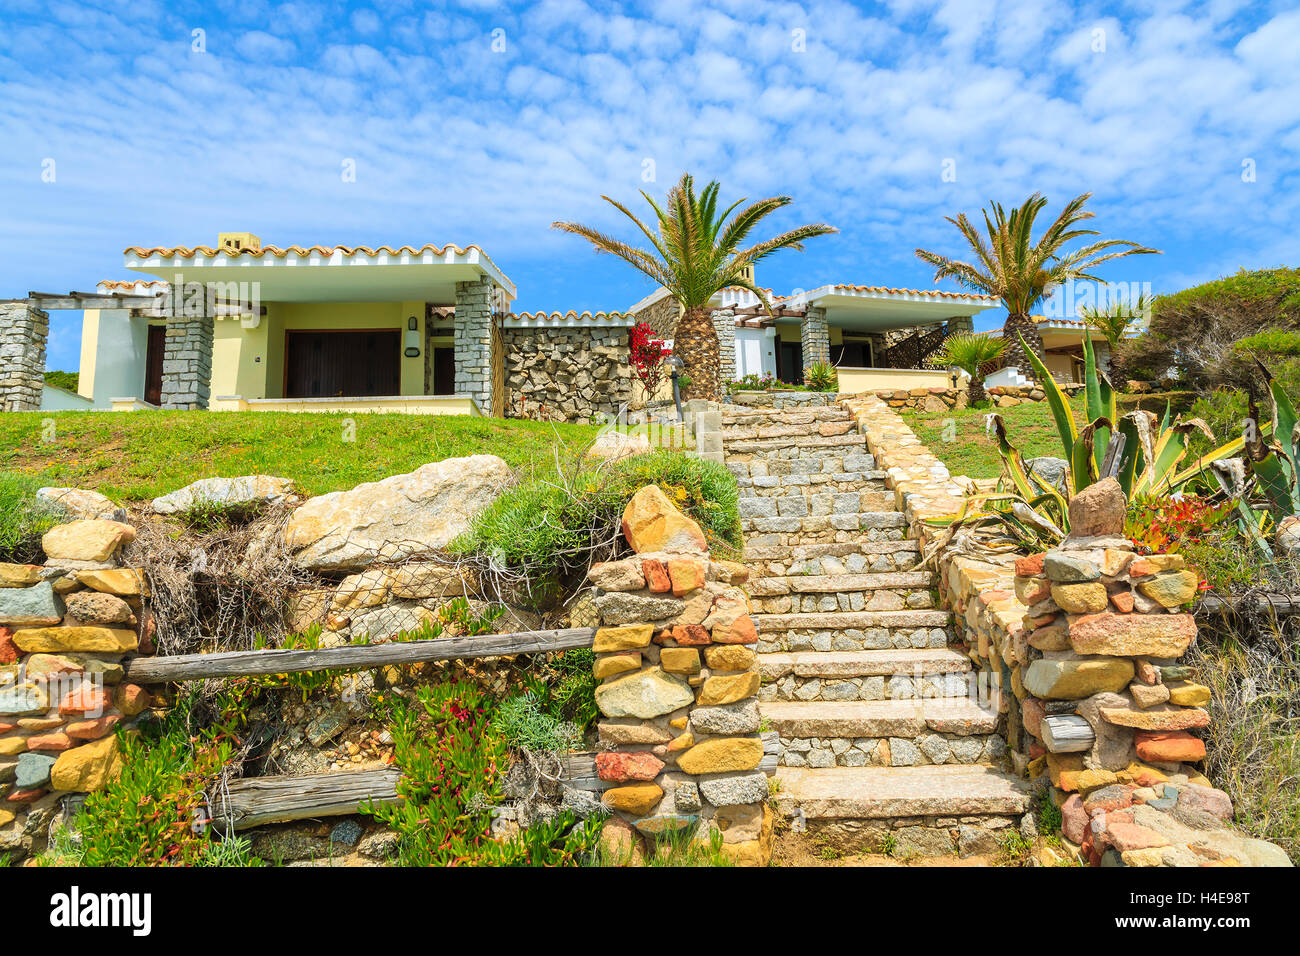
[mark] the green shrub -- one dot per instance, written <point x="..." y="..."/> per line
<point x="753" y="382"/>
<point x="153" y="813"/>
<point x="544" y="532"/>
<point x="526" y="723"/>
<point x="821" y="377"/>
<point x="451" y="759"/>
<point x="68" y="380"/>
<point x="23" y="518"/>
<point x="566" y="687"/>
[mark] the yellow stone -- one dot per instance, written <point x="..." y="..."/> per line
<point x="1188" y="694"/>
<point x="90" y="539"/>
<point x="681" y="742"/>
<point x="6" y="817"/>
<point x="729" y="657"/>
<point x="124" y="582"/>
<point x="88" y="767"/>
<point x="680" y="660"/>
<point x="619" y="663"/>
<point x="12" y="745"/>
<point x="1086" y="598"/>
<point x="1149" y="856"/>
<point x="54" y="640"/>
<point x="19" y="575"/>
<point x="1086" y="781"/>
<point x="722" y="755"/>
<point x="753" y="852"/>
<point x="638" y="798"/>
<point x="679" y="723"/>
<point x="627" y="637"/>
<point x="727" y="689"/>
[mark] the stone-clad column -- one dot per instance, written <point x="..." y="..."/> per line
<point x="678" y="696"/>
<point x="187" y="362"/>
<point x="815" y="337"/>
<point x="724" y="320"/>
<point x="23" y="331"/>
<point x="474" y="341"/>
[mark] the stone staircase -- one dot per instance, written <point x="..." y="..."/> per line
<point x="882" y="739"/>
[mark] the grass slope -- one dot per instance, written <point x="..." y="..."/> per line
<point x="958" y="437"/>
<point x="139" y="455"/>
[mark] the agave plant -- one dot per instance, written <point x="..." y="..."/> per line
<point x="1147" y="461"/>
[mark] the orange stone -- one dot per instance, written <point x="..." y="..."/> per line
<point x="1031" y="566"/>
<point x="656" y="575"/>
<point x="1169" y="746"/>
<point x="686" y="574"/>
<point x="621" y="767"/>
<point x="93" y="729"/>
<point x="131" y="699"/>
<point x="56" y="741"/>
<point x="9" y="651"/>
<point x="685" y="635"/>
<point x="84" y="699"/>
<point x="1122" y="601"/>
<point x="739" y="631"/>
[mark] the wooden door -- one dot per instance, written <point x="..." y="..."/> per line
<point x="444" y="371"/>
<point x="354" y="363"/>
<point x="153" y="364"/>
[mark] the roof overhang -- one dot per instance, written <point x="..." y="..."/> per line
<point x="875" y="309"/>
<point x="321" y="274"/>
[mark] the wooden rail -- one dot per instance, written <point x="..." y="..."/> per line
<point x="256" y="801"/>
<point x="183" y="667"/>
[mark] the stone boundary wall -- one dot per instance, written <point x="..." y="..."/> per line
<point x="1082" y="647"/>
<point x="23" y="334"/>
<point x="567" y="374"/>
<point x="1009" y="396"/>
<point x="65" y="627"/>
<point x="679" y="726"/>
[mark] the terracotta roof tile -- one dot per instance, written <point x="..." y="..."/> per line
<point x="887" y="290"/>
<point x="188" y="252"/>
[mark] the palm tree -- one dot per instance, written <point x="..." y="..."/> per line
<point x="1021" y="272"/>
<point x="1116" y="321"/>
<point x="696" y="253"/>
<point x="970" y="353"/>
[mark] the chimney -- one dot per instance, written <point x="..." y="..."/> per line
<point x="237" y="242"/>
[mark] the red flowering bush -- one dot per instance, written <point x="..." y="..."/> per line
<point x="647" y="355"/>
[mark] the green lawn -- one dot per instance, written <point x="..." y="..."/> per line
<point x="139" y="455"/>
<point x="960" y="441"/>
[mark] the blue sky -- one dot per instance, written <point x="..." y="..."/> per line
<point x="482" y="123"/>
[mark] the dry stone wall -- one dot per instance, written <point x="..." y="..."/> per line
<point x="65" y="628"/>
<point x="23" y="333"/>
<point x="678" y="692"/>
<point x="1081" y="647"/>
<point x="567" y="374"/>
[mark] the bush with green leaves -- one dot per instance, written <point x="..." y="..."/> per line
<point x="154" y="812"/>
<point x="526" y="724"/>
<point x="821" y="377"/>
<point x="542" y="535"/>
<point x="23" y="518"/>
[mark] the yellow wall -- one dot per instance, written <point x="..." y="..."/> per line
<point x="236" y="371"/>
<point x="871" y="379"/>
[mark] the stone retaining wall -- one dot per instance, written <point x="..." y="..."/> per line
<point x="1081" y="646"/>
<point x="678" y="693"/>
<point x="65" y="627"/>
<point x="1008" y="396"/>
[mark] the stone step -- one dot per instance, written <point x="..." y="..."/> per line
<point x="734" y="433"/>
<point x="809" y="503"/>
<point x="839" y="482"/>
<point x="930" y="660"/>
<point x="802" y="446"/>
<point x="858" y="619"/>
<point x="832" y="558"/>
<point x="839" y="583"/>
<point x="854" y="462"/>
<point x="816" y="529"/>
<point x="879" y="718"/>
<point x="879" y="793"/>
<point x="737" y="415"/>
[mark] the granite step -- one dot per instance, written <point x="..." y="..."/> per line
<point x="773" y="623"/>
<point x="833" y="558"/>
<point x="878" y="718"/>
<point x="877" y="793"/>
<point x="785" y="416"/>
<point x="799" y="446"/>
<point x="894" y="673"/>
<point x="930" y="660"/>
<point x="840" y="583"/>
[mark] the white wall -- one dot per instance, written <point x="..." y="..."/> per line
<point x="55" y="399"/>
<point x="113" y="351"/>
<point x="755" y="351"/>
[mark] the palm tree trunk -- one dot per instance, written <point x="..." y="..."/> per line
<point x="1028" y="329"/>
<point x="975" y="390"/>
<point x="696" y="344"/>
